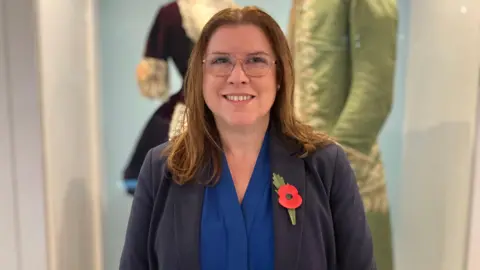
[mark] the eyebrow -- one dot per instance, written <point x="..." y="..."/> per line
<point x="248" y="54"/>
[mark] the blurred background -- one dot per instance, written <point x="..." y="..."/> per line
<point x="71" y="115"/>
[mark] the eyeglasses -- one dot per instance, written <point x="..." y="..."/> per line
<point x="221" y="65"/>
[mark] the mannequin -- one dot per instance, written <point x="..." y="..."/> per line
<point x="344" y="70"/>
<point x="176" y="27"/>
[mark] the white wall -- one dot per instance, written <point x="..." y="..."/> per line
<point x="441" y="99"/>
<point x="473" y="260"/>
<point x="49" y="168"/>
<point x="22" y="208"/>
<point x="69" y="103"/>
<point x="8" y="221"/>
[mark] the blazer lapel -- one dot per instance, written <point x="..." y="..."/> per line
<point x="284" y="161"/>
<point x="187" y="218"/>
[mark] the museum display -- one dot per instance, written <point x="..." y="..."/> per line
<point x="345" y="64"/>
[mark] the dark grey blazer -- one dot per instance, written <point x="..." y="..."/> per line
<point x="331" y="231"/>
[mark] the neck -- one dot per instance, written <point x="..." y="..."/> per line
<point x="241" y="142"/>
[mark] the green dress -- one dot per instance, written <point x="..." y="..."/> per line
<point x="344" y="53"/>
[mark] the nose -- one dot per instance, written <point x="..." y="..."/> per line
<point x="238" y="76"/>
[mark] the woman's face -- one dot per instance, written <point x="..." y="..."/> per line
<point x="239" y="84"/>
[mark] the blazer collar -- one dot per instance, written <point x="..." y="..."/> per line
<point x="189" y="200"/>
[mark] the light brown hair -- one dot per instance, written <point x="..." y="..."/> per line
<point x="198" y="146"/>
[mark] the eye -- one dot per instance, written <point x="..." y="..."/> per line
<point x="220" y="60"/>
<point x="257" y="59"/>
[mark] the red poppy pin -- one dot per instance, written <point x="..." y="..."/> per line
<point x="288" y="196"/>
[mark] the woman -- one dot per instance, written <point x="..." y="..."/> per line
<point x="245" y="185"/>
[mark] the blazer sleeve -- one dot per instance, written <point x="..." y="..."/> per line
<point x="152" y="71"/>
<point x="135" y="250"/>
<point x="372" y="35"/>
<point x="354" y="244"/>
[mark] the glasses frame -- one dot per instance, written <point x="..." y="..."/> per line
<point x="236" y="60"/>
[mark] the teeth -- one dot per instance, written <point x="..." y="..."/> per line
<point x="239" y="98"/>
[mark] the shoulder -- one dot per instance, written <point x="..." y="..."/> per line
<point x="327" y="160"/>
<point x="168" y="13"/>
<point x="158" y="159"/>
<point x="157" y="152"/>
<point x="169" y="8"/>
<point x="329" y="155"/>
<point x="154" y="170"/>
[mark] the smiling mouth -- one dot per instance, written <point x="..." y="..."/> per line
<point x="237" y="98"/>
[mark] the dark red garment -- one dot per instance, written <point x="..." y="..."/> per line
<point x="167" y="40"/>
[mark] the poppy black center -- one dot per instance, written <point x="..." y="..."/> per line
<point x="289" y="196"/>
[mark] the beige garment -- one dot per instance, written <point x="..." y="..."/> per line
<point x="153" y="78"/>
<point x="196" y="13"/>
<point x="179" y="121"/>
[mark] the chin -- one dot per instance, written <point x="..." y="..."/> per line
<point x="241" y="119"/>
<point x="244" y="121"/>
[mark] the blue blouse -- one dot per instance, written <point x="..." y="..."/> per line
<point x="236" y="236"/>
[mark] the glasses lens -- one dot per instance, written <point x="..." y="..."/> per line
<point x="256" y="65"/>
<point x="219" y="65"/>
